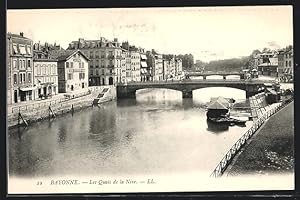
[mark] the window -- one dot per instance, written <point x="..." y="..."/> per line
<point x="286" y="63"/>
<point x="67" y="65"/>
<point x="91" y="54"/>
<point x="53" y="69"/>
<point x="102" y="71"/>
<point x="24" y="64"/>
<point x="15" y="49"/>
<point x="70" y="76"/>
<point x="97" y="72"/>
<point x="82" y="64"/>
<point x="24" y="78"/>
<point x="290" y="63"/>
<point x="29" y="77"/>
<point x="44" y="69"/>
<point x="15" y="64"/>
<point x="21" y="78"/>
<point x="38" y="69"/>
<point x="29" y="64"/>
<point x="71" y="64"/>
<point x="81" y="75"/>
<point x="15" y="79"/>
<point x="79" y="65"/>
<point x="28" y="50"/>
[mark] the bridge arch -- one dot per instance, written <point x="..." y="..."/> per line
<point x="204" y="94"/>
<point x="187" y="87"/>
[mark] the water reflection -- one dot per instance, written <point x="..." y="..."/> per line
<point x="157" y="133"/>
<point x="62" y="133"/>
<point x="217" y="127"/>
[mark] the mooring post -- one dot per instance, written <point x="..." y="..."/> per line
<point x="49" y="112"/>
<point x="19" y="117"/>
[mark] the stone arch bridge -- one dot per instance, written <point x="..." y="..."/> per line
<point x="251" y="87"/>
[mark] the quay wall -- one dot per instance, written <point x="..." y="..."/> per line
<point x="232" y="152"/>
<point x="258" y="105"/>
<point x="35" y="114"/>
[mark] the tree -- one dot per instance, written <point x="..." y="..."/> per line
<point x="187" y="61"/>
<point x="228" y="65"/>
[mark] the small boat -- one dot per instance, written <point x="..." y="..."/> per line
<point x="218" y="111"/>
<point x="227" y="120"/>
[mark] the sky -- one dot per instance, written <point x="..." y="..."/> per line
<point x="209" y="33"/>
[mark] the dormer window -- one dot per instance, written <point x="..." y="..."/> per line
<point x="22" y="50"/>
<point x="15" y="49"/>
<point x="28" y="50"/>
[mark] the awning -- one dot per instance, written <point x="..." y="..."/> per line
<point x="143" y="64"/>
<point x="15" y="49"/>
<point x="27" y="89"/>
<point x="22" y="50"/>
<point x="144" y="57"/>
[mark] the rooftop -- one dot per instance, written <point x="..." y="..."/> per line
<point x="62" y="55"/>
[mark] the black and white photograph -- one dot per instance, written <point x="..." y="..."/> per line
<point x="153" y="99"/>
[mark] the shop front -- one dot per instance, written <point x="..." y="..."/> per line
<point x="25" y="94"/>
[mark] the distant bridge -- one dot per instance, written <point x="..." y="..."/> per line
<point x="251" y="87"/>
<point x="205" y="74"/>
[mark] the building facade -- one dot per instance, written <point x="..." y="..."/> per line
<point x="155" y="64"/>
<point x="20" y="72"/>
<point x="123" y="66"/>
<point x="158" y="74"/>
<point x="45" y="71"/>
<point x="72" y="69"/>
<point x="45" y="77"/>
<point x="105" y="60"/>
<point x="166" y="69"/>
<point x="178" y="69"/>
<point x="280" y="63"/>
<point x="289" y="61"/>
<point x="145" y="74"/>
<point x="135" y="66"/>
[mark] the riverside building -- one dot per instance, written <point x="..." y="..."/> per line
<point x="45" y="71"/>
<point x="20" y="68"/>
<point x="72" y="69"/>
<point x="105" y="59"/>
<point x="155" y="63"/>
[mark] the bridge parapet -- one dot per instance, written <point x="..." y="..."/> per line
<point x="187" y="86"/>
<point x="217" y="81"/>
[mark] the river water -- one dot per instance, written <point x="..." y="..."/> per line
<point x="157" y="133"/>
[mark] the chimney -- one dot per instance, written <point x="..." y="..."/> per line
<point x="21" y="34"/>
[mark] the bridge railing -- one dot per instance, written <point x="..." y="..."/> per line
<point x="226" y="160"/>
<point x="199" y="81"/>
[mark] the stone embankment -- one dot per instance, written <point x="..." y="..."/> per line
<point x="50" y="109"/>
<point x="263" y="115"/>
<point x="259" y="105"/>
